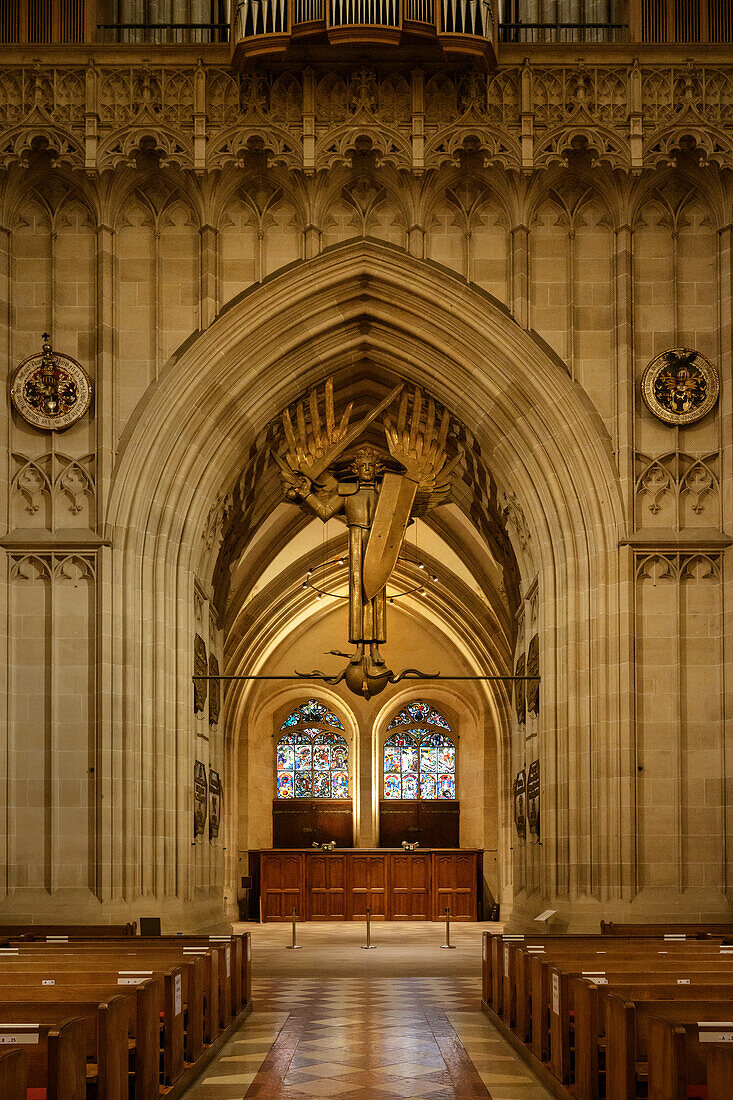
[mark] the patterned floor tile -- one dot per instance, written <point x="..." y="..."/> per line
<point x="399" y="1023"/>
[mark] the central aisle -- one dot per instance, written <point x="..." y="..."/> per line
<point x="401" y="1022"/>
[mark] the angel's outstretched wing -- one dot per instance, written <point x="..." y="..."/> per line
<point x="420" y="449"/>
<point x="308" y="441"/>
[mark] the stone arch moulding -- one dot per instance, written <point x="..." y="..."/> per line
<point x="415" y="320"/>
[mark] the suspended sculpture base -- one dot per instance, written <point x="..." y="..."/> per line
<point x="367" y="679"/>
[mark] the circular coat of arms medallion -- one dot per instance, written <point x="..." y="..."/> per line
<point x="680" y="386"/>
<point x="51" y="390"/>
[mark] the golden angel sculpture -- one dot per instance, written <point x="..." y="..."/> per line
<point x="376" y="504"/>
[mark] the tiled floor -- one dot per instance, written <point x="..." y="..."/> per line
<point x="402" y="1022"/>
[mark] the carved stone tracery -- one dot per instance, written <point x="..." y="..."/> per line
<point x="520" y="117"/>
<point x="680" y="477"/>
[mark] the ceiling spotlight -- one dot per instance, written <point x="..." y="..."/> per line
<point x="433" y="578"/>
<point x="341" y="561"/>
<point x="309" y="573"/>
<point x="305" y="584"/>
<point x="421" y="565"/>
<point x="423" y="592"/>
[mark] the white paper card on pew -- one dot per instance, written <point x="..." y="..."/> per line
<point x="598" y="977"/>
<point x="683" y="981"/>
<point x="21" y="1035"/>
<point x="48" y="981"/>
<point x="674" y="936"/>
<point x="133" y="977"/>
<point x="556" y="994"/>
<point x="715" y="1031"/>
<point x="9" y="950"/>
<point x="229" y="961"/>
<point x="506" y="962"/>
<point x="546" y="915"/>
<point x="57" y="939"/>
<point x="178" y="995"/>
<point x="195" y="950"/>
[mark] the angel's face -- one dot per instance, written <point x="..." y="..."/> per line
<point x="366" y="466"/>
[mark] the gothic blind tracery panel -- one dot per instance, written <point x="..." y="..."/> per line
<point x="312" y="759"/>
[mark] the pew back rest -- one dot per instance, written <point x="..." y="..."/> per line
<point x="13" y="1073"/>
<point x="67" y="1077"/>
<point x="720" y="1072"/>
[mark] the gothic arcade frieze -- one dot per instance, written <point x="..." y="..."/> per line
<point x="204" y="117"/>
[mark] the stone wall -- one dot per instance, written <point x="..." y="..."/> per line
<point x="547" y="187"/>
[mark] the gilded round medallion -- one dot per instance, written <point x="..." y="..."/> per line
<point x="51" y="390"/>
<point x="680" y="386"/>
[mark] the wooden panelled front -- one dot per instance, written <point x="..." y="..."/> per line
<point x="411" y="882"/>
<point x="395" y="885"/>
<point x="454" y="885"/>
<point x="302" y="822"/>
<point x="281" y="885"/>
<point x="298" y="823"/>
<point x="369" y="885"/>
<point x="326" y="882"/>
<point x="433" y="824"/>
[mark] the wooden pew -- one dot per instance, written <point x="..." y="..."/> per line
<point x="143" y="1020"/>
<point x="627" y="1025"/>
<point x="65" y="1071"/>
<point x="501" y="948"/>
<point x="535" y="992"/>
<point x="679" y="1056"/>
<point x="102" y="1040"/>
<point x="576" y="1009"/>
<point x="13" y="1073"/>
<point x="218" y="979"/>
<point x="72" y="931"/>
<point x="102" y="959"/>
<point x="720" y="1072"/>
<point x="155" y="1005"/>
<point x="693" y="931"/>
<point x="547" y="990"/>
<point x="84" y="972"/>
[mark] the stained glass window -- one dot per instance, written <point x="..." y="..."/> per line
<point x="419" y="712"/>
<point x="310" y="712"/>
<point x="312" y="762"/>
<point x="419" y="763"/>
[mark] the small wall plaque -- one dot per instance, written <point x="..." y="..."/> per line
<point x="51" y="391"/>
<point x="680" y="386"/>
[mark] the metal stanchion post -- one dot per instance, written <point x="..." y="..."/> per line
<point x="447" y="944"/>
<point x="368" y="946"/>
<point x="293" y="946"/>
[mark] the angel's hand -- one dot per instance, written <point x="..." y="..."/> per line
<point x="297" y="487"/>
